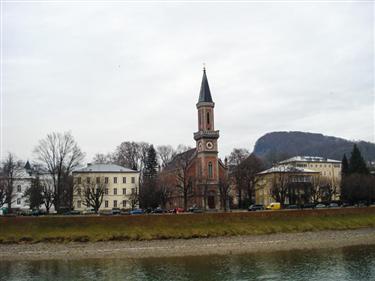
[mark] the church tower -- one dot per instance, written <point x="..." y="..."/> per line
<point x="206" y="137"/>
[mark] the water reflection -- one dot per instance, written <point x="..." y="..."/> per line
<point x="353" y="263"/>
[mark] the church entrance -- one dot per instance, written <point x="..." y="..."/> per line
<point x="211" y="202"/>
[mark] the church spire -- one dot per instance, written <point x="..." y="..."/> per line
<point x="205" y="93"/>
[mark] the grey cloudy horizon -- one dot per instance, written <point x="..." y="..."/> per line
<point x="132" y="72"/>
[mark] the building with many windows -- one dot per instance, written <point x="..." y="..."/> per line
<point x="303" y="179"/>
<point x="120" y="186"/>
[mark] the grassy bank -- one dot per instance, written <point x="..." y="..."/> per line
<point x="148" y="227"/>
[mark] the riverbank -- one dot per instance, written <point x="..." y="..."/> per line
<point x="65" y="229"/>
<point x="189" y="247"/>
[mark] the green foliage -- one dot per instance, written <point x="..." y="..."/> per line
<point x="344" y="166"/>
<point x="148" y="194"/>
<point x="34" y="194"/>
<point x="357" y="164"/>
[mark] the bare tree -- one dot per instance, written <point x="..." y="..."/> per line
<point x="59" y="153"/>
<point x="11" y="171"/>
<point x="224" y="190"/>
<point x="101" y="158"/>
<point x="3" y="191"/>
<point x="48" y="197"/>
<point x="249" y="168"/>
<point x="237" y="156"/>
<point x="134" y="198"/>
<point x="280" y="185"/>
<point x="165" y="184"/>
<point x="327" y="189"/>
<point x="166" y="153"/>
<point x="184" y="180"/>
<point x="92" y="193"/>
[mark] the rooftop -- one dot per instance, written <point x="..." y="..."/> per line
<point x="104" y="168"/>
<point x="308" y="159"/>
<point x="286" y="169"/>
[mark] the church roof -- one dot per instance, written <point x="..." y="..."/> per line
<point x="205" y="93"/>
<point x="181" y="159"/>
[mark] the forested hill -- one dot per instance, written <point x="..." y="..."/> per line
<point x="276" y="146"/>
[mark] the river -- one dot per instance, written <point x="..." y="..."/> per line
<point x="344" y="264"/>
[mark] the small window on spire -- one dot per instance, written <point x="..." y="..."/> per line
<point x="208" y="118"/>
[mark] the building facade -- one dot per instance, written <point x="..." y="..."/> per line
<point x="329" y="169"/>
<point x="284" y="178"/>
<point x="198" y="172"/>
<point x="121" y="186"/>
<point x="322" y="175"/>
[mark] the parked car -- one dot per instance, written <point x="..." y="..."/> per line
<point x="37" y="212"/>
<point x="320" y="206"/>
<point x="274" y="206"/>
<point x="25" y="212"/>
<point x="159" y="210"/>
<point x="178" y="210"/>
<point x="333" y="205"/>
<point x="195" y="209"/>
<point x="308" y="206"/>
<point x="136" y="212"/>
<point x="345" y="204"/>
<point x="105" y="212"/>
<point x="125" y="212"/>
<point x="88" y="212"/>
<point x="255" y="208"/>
<point x="292" y="207"/>
<point x="116" y="211"/>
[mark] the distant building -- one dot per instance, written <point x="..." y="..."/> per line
<point x="304" y="175"/>
<point x="120" y="184"/>
<point x="23" y="181"/>
<point x="199" y="168"/>
<point x="328" y="168"/>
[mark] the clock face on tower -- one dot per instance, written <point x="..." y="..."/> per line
<point x="209" y="145"/>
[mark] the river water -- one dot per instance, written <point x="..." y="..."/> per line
<point x="352" y="263"/>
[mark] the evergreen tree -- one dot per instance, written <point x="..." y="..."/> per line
<point x="34" y="194"/>
<point x="357" y="164"/>
<point x="344" y="166"/>
<point x="151" y="165"/>
<point x="148" y="194"/>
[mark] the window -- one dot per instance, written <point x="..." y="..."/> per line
<point x="106" y="180"/>
<point x="124" y="191"/>
<point x="115" y="191"/>
<point x="124" y="180"/>
<point x="78" y="191"/>
<point x="133" y="190"/>
<point x="208" y="118"/>
<point x="210" y="170"/>
<point x="106" y="191"/>
<point x="88" y="180"/>
<point x="133" y="179"/>
<point x="79" y="180"/>
<point x="124" y="203"/>
<point x="106" y="203"/>
<point x="18" y="201"/>
<point x="18" y="188"/>
<point x="97" y="180"/>
<point x="114" y="203"/>
<point x="115" y="180"/>
<point x="78" y="204"/>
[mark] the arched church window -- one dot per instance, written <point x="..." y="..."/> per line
<point x="209" y="170"/>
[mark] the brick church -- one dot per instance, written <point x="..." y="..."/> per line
<point x="197" y="173"/>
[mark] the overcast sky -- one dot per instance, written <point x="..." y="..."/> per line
<point x="132" y="72"/>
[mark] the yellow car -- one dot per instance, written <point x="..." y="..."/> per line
<point x="274" y="206"/>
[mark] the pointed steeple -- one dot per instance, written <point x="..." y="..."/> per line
<point x="205" y="93"/>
